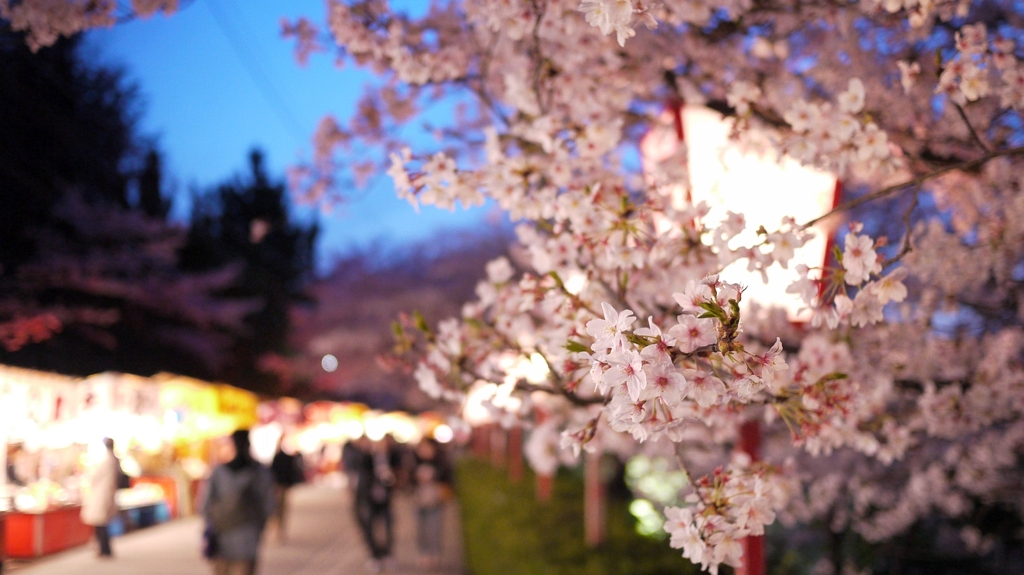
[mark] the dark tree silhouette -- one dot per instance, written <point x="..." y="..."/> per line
<point x="63" y="126"/>
<point x="89" y="282"/>
<point x="150" y="187"/>
<point x="246" y="222"/>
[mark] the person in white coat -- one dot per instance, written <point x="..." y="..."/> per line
<point x="239" y="500"/>
<point x="98" y="505"/>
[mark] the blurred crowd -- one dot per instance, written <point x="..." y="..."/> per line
<point x="246" y="500"/>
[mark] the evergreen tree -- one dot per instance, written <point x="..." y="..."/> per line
<point x="89" y="282"/>
<point x="150" y="186"/>
<point x="246" y="222"/>
<point x="63" y="126"/>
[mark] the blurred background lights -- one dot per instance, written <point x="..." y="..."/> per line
<point x="329" y="363"/>
<point x="443" y="433"/>
<point x="648" y="520"/>
<point x="575" y="282"/>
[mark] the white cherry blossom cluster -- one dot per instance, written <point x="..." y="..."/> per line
<point x="607" y="330"/>
<point x="919" y="13"/>
<point x="859" y="273"/>
<point x="653" y="380"/>
<point x="439" y="183"/>
<point x="616" y="16"/>
<point x="44" y="21"/>
<point x="393" y="44"/>
<point x="981" y="67"/>
<point x="725" y="507"/>
<point x="838" y="137"/>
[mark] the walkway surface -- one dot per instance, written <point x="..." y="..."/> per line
<point x="323" y="540"/>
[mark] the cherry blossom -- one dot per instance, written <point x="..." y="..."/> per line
<point x="899" y="401"/>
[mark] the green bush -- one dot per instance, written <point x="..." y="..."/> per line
<point x="508" y="532"/>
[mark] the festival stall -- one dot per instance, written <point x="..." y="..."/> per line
<point x="197" y="414"/>
<point x="164" y="430"/>
<point x="168" y="432"/>
<point x="39" y="490"/>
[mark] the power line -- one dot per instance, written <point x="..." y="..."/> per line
<point x="256" y="73"/>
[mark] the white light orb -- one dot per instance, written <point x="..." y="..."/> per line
<point x="329" y="363"/>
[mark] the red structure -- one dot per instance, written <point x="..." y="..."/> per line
<point x="3" y="538"/>
<point x="169" y="488"/>
<point x="753" y="547"/>
<point x="29" y="535"/>
<point x="662" y="142"/>
<point x="595" y="509"/>
<point x="515" y="454"/>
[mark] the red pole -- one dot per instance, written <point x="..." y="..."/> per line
<point x="515" y="454"/>
<point x="545" y="483"/>
<point x="753" y="547"/>
<point x="594" y="500"/>
<point x="481" y="441"/>
<point x="545" y="487"/>
<point x="498" y="446"/>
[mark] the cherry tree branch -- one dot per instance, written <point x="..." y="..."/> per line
<point x="895" y="188"/>
<point x="970" y="127"/>
<point x="907" y="245"/>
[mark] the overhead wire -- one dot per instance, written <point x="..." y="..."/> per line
<point x="256" y="73"/>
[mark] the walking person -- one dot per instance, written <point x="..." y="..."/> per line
<point x="98" y="505"/>
<point x="288" y="472"/>
<point x="373" y="501"/>
<point x="239" y="500"/>
<point x="351" y="459"/>
<point x="432" y="488"/>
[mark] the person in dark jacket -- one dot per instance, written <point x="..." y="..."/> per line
<point x="433" y="478"/>
<point x="288" y="472"/>
<point x="373" y="500"/>
<point x="13" y="452"/>
<point x="239" y="499"/>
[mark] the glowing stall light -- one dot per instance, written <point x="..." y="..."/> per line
<point x="443" y="433"/>
<point x="401" y="426"/>
<point x="171" y="418"/>
<point x="351" y="429"/>
<point x="308" y="441"/>
<point x="203" y="423"/>
<point x="754" y="182"/>
<point x="376" y="428"/>
<point x="264" y="439"/>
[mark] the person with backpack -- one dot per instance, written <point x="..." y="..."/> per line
<point x="98" y="505"/>
<point x="239" y="500"/>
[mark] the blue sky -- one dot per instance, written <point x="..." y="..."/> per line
<point x="217" y="81"/>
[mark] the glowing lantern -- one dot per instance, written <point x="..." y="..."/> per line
<point x="754" y="182"/>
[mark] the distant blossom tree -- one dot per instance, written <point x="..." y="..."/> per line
<point x="909" y="377"/>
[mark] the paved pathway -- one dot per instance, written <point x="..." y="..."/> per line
<point x="323" y="540"/>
